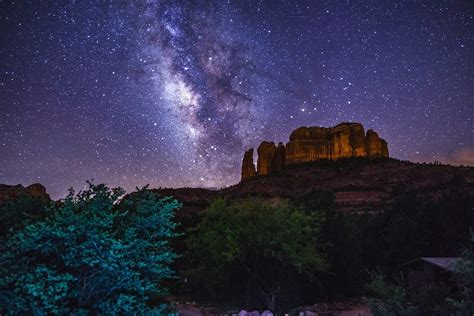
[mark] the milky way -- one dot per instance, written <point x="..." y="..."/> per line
<point x="202" y="73"/>
<point x="172" y="92"/>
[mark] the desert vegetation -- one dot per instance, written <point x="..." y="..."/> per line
<point x="100" y="250"/>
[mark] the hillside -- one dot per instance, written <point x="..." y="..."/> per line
<point x="359" y="184"/>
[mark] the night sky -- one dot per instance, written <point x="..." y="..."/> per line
<point x="172" y="93"/>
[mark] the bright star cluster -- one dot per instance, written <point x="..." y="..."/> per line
<point x="171" y="93"/>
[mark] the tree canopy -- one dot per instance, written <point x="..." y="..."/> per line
<point x="89" y="256"/>
<point x="253" y="247"/>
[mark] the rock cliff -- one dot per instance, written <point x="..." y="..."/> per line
<point x="12" y="192"/>
<point x="266" y="151"/>
<point x="279" y="159"/>
<point x="248" y="168"/>
<point x="315" y="143"/>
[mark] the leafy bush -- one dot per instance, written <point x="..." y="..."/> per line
<point x="87" y="256"/>
<point x="388" y="299"/>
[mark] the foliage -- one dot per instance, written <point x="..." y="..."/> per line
<point x="396" y="298"/>
<point x="417" y="226"/>
<point x="253" y="246"/>
<point x="87" y="256"/>
<point x="388" y="299"/>
<point x="18" y="211"/>
<point x="341" y="233"/>
<point x="464" y="273"/>
<point x="352" y="244"/>
<point x="414" y="226"/>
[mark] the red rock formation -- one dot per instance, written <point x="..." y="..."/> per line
<point x="384" y="148"/>
<point x="314" y="143"/>
<point x="265" y="151"/>
<point x="248" y="168"/>
<point x="11" y="192"/>
<point x="279" y="159"/>
<point x="302" y="146"/>
<point x="357" y="140"/>
<point x="373" y="144"/>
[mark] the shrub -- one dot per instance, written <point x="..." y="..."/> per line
<point x="388" y="299"/>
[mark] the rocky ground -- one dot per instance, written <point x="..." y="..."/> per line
<point x="354" y="307"/>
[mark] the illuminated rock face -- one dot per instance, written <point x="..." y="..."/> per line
<point x="315" y="143"/>
<point x="375" y="146"/>
<point x="248" y="168"/>
<point x="341" y="141"/>
<point x="266" y="151"/>
<point x="271" y="158"/>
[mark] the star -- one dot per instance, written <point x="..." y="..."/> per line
<point x="172" y="93"/>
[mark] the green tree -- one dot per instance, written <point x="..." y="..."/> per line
<point x="88" y="256"/>
<point x="253" y="246"/>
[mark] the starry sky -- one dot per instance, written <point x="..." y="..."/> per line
<point x="171" y="93"/>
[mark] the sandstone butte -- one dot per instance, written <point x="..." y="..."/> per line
<point x="315" y="143"/>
